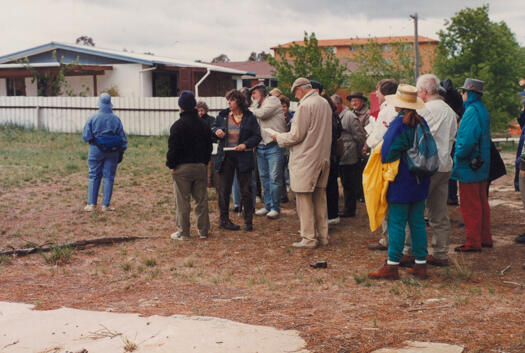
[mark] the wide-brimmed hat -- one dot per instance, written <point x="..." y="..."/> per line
<point x="405" y="97"/>
<point x="471" y="84"/>
<point x="301" y="81"/>
<point x="357" y="95"/>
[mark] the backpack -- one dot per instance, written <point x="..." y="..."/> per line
<point x="422" y="158"/>
<point x="109" y="143"/>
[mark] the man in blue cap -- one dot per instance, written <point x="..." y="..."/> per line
<point x="105" y="134"/>
<point x="189" y="151"/>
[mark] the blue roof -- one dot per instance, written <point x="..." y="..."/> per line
<point x="115" y="56"/>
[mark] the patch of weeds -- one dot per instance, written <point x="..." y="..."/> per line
<point x="475" y="290"/>
<point x="38" y="304"/>
<point x="363" y="280"/>
<point x="374" y="322"/>
<point x="126" y="267"/>
<point x="463" y="272"/>
<point x="198" y="311"/>
<point x="72" y="167"/>
<point x="189" y="262"/>
<point x="5" y="260"/>
<point x="493" y="291"/>
<point x="154" y="273"/>
<point x="123" y="252"/>
<point x="412" y="282"/>
<point x="129" y="346"/>
<point x="150" y="262"/>
<point x="140" y="269"/>
<point x="28" y="245"/>
<point x="395" y="290"/>
<point x="460" y="300"/>
<point x="288" y="251"/>
<point x="59" y="255"/>
<point x="319" y="280"/>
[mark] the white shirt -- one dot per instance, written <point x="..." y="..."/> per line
<point x="377" y="129"/>
<point x="442" y="121"/>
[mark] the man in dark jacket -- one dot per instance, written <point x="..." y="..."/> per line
<point x="189" y="151"/>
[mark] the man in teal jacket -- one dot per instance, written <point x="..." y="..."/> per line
<point x="471" y="167"/>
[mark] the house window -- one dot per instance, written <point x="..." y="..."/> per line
<point x="352" y="48"/>
<point x="165" y="84"/>
<point x="16" y="86"/>
<point x="387" y="47"/>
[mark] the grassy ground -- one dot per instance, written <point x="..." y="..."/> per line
<point x="256" y="277"/>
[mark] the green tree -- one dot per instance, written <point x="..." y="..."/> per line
<point x="473" y="46"/>
<point x="308" y="60"/>
<point x="51" y="82"/>
<point x="374" y="66"/>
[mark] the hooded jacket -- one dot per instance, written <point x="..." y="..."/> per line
<point x="473" y="140"/>
<point x="104" y="123"/>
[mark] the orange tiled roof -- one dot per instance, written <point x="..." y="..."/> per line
<point x="361" y="41"/>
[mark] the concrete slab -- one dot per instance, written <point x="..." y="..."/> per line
<point x="71" y="330"/>
<point x="422" y="347"/>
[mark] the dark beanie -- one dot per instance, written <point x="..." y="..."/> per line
<point x="187" y="100"/>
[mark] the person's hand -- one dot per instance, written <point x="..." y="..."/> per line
<point x="240" y="147"/>
<point x="172" y="171"/>
<point x="522" y="173"/>
<point x="364" y="150"/>
<point x="274" y="138"/>
<point x="220" y="134"/>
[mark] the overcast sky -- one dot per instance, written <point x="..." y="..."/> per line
<point x="203" y="29"/>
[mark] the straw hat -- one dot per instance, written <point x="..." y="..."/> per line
<point x="405" y="97"/>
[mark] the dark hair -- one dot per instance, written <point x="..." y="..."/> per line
<point x="239" y="98"/>
<point x="329" y="100"/>
<point x="387" y="86"/>
<point x="412" y="118"/>
<point x="246" y="92"/>
<point x="285" y="100"/>
<point x="203" y="105"/>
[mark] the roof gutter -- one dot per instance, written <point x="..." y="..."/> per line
<point x="208" y="72"/>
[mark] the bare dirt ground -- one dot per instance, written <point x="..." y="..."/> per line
<point x="257" y="277"/>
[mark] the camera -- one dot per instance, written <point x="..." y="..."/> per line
<point x="476" y="163"/>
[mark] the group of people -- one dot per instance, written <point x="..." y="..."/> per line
<point x="259" y="138"/>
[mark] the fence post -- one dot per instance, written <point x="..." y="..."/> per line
<point x="37" y="116"/>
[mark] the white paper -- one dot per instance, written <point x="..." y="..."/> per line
<point x="270" y="131"/>
<point x="228" y="149"/>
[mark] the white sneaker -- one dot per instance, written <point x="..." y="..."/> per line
<point x="178" y="236"/>
<point x="332" y="221"/>
<point x="90" y="208"/>
<point x="300" y="244"/>
<point x="107" y="208"/>
<point x="261" y="212"/>
<point x="273" y="214"/>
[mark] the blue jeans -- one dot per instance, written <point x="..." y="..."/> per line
<point x="236" y="190"/>
<point x="101" y="165"/>
<point x="270" y="163"/>
<point x="398" y="216"/>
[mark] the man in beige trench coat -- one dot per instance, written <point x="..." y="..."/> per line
<point x="309" y="139"/>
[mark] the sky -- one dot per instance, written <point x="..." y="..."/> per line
<point x="204" y="29"/>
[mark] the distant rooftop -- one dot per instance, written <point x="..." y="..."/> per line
<point x="362" y="41"/>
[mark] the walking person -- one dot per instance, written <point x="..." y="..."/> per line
<point x="407" y="193"/>
<point x="269" y="113"/>
<point x="107" y="142"/>
<point x="189" y="152"/>
<point x="353" y="136"/>
<point x="309" y="140"/>
<point x="471" y="168"/>
<point x="238" y="133"/>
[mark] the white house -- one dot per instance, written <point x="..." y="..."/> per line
<point x="126" y="74"/>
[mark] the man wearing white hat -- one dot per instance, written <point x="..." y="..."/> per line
<point x="309" y="140"/>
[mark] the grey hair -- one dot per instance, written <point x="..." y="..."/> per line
<point x="429" y="83"/>
<point x="308" y="85"/>
<point x="337" y="99"/>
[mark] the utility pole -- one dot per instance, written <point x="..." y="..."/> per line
<point x="416" y="47"/>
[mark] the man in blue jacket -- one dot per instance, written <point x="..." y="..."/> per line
<point x="471" y="167"/>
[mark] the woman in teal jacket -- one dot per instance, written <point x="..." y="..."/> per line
<point x="471" y="167"/>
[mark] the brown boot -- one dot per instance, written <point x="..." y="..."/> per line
<point x="407" y="261"/>
<point x="419" y="271"/>
<point x="385" y="272"/>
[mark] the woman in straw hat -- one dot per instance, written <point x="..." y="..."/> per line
<point x="407" y="193"/>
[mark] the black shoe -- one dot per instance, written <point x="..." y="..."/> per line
<point x="229" y="225"/>
<point x="248" y="227"/>
<point x="520" y="239"/>
<point x="237" y="209"/>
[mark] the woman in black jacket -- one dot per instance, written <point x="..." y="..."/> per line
<point x="238" y="133"/>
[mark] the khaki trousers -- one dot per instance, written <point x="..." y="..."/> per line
<point x="438" y="217"/>
<point x="190" y="180"/>
<point x="313" y="215"/>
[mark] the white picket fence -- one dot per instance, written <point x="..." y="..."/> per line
<point x="152" y="116"/>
